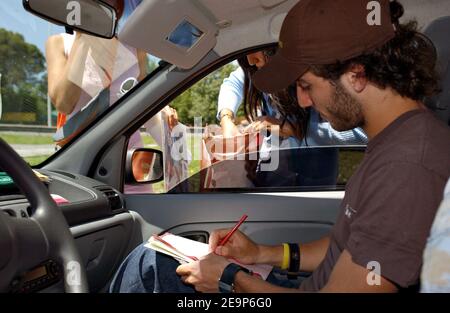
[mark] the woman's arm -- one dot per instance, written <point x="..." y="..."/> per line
<point x="229" y="100"/>
<point x="143" y="62"/>
<point x="231" y="92"/>
<point x="65" y="74"/>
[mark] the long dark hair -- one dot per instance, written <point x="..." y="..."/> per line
<point x="284" y="101"/>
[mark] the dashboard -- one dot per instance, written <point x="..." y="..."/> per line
<point x="104" y="231"/>
<point x="80" y="198"/>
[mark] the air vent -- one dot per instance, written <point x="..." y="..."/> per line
<point x="115" y="201"/>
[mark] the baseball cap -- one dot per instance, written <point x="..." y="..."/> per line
<point x="324" y="32"/>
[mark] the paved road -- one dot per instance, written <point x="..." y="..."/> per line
<point x="34" y="150"/>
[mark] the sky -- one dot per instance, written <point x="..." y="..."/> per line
<point x="35" y="30"/>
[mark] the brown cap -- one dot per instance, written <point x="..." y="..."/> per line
<point x="324" y="32"/>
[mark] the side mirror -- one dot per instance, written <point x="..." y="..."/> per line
<point x="89" y="16"/>
<point x="144" y="166"/>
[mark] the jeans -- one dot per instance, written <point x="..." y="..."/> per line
<point x="147" y="271"/>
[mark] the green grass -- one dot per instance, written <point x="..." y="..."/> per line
<point x="41" y="139"/>
<point x="148" y="141"/>
<point x="36" y="160"/>
<point x="13" y="139"/>
<point x="348" y="163"/>
<point x="158" y="187"/>
<point x="194" y="167"/>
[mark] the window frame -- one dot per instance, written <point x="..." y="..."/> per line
<point x="178" y="89"/>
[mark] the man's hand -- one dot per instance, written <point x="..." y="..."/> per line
<point x="204" y="274"/>
<point x="238" y="247"/>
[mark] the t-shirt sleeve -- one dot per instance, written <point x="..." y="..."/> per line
<point x="396" y="207"/>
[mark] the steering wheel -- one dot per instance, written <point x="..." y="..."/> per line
<point x="26" y="243"/>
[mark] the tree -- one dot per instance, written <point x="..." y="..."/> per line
<point x="24" y="79"/>
<point x="201" y="99"/>
<point x="151" y="65"/>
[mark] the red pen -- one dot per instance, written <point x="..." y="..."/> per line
<point x="227" y="237"/>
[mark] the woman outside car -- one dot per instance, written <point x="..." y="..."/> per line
<point x="87" y="71"/>
<point x="299" y="126"/>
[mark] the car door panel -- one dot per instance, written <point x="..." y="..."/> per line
<point x="103" y="244"/>
<point x="272" y="218"/>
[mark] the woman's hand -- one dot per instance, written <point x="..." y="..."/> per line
<point x="229" y="129"/>
<point x="238" y="247"/>
<point x="267" y="122"/>
<point x="172" y="116"/>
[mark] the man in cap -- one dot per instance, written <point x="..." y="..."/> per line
<point x="358" y="67"/>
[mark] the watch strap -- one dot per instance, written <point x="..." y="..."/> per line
<point x="226" y="282"/>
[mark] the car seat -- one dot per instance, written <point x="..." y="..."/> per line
<point x="438" y="31"/>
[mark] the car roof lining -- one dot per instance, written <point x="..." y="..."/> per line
<point x="227" y="26"/>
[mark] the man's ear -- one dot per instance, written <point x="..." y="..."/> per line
<point x="355" y="78"/>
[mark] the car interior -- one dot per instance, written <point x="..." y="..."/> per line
<point x="100" y="223"/>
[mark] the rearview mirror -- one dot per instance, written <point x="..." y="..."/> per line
<point x="144" y="166"/>
<point x="89" y="16"/>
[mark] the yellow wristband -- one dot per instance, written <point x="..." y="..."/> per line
<point x="286" y="257"/>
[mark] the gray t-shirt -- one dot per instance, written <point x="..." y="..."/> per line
<point x="391" y="200"/>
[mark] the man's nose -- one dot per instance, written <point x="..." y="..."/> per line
<point x="304" y="100"/>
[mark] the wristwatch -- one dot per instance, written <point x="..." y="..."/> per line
<point x="226" y="282"/>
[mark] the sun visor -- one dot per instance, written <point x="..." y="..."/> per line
<point x="180" y="32"/>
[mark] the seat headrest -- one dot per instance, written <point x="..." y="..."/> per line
<point x="438" y="31"/>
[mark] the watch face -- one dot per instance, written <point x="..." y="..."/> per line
<point x="223" y="287"/>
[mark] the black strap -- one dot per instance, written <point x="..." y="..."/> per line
<point x="226" y="282"/>
<point x="294" y="260"/>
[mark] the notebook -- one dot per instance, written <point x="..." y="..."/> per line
<point x="185" y="251"/>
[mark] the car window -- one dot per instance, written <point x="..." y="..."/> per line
<point x="54" y="84"/>
<point x="181" y="144"/>
<point x="304" y="169"/>
<point x="198" y="157"/>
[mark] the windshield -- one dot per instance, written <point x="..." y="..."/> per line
<point x="53" y="84"/>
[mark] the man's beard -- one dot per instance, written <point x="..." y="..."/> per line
<point x="344" y="110"/>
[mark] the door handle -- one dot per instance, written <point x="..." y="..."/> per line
<point x="200" y="236"/>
